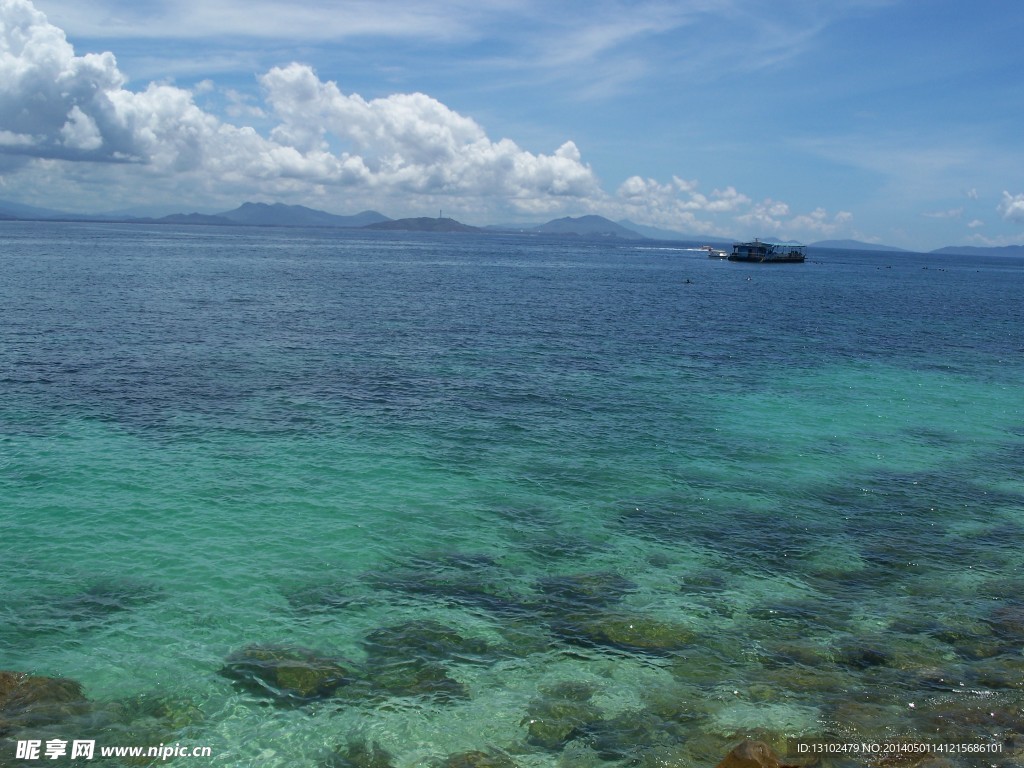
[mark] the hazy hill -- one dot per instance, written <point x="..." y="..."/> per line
<point x="423" y="224"/>
<point x="855" y="245"/>
<point x="18" y="211"/>
<point x="192" y="218"/>
<point x="971" y="250"/>
<point x="511" y="227"/>
<point x="587" y="226"/>
<point x="281" y="215"/>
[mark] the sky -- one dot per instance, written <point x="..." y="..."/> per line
<point x="898" y="122"/>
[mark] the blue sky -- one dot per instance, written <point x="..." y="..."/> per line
<point x="886" y="121"/>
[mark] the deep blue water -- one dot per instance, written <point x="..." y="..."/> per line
<point x="568" y="503"/>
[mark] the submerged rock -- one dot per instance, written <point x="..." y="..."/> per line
<point x="31" y="700"/>
<point x="788" y="653"/>
<point x="470" y="561"/>
<point x="1008" y="622"/>
<point x="862" y="656"/>
<point x="582" y="591"/>
<point x="450" y="584"/>
<point x="145" y="719"/>
<point x="88" y="609"/>
<point x="426" y="640"/>
<point x="477" y="759"/>
<point x="324" y="598"/>
<point x="673" y="756"/>
<point x="560" y="715"/>
<point x="628" y="735"/>
<point x="557" y="545"/>
<point x="802" y="679"/>
<point x="751" y="754"/>
<point x="359" y="754"/>
<point x="1004" y="672"/>
<point x="409" y="660"/>
<point x="285" y="672"/>
<point x="988" y="719"/>
<point x="626" y="632"/>
<point x="409" y="678"/>
<point x="571" y="690"/>
<point x="103" y="601"/>
<point x="523" y="637"/>
<point x="705" y="581"/>
<point x="659" y="521"/>
<point x="167" y="711"/>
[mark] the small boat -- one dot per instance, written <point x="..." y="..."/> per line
<point x="768" y="253"/>
<point x="714" y="253"/>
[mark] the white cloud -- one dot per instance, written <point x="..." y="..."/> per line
<point x="674" y="205"/>
<point x="766" y="215"/>
<point x="953" y="213"/>
<point x="415" y="143"/>
<point x="819" y="222"/>
<point x="48" y="93"/>
<point x="74" y="121"/>
<point x="80" y="131"/>
<point x="679" y="196"/>
<point x="54" y="104"/>
<point x="1012" y="207"/>
<point x="727" y="199"/>
<point x="11" y="139"/>
<point x="975" y="223"/>
<point x="680" y="206"/>
<point x="774" y="217"/>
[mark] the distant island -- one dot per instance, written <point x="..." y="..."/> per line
<point x="855" y="245"/>
<point x="280" y="215"/>
<point x="970" y="250"/>
<point x="272" y="215"/>
<point x="253" y="214"/>
<point x="422" y="224"/>
<point x="587" y="225"/>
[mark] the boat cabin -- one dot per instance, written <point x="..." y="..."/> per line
<point x="763" y="252"/>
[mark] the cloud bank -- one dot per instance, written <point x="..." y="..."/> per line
<point x="61" y="113"/>
<point x="56" y="105"/>
<point x="1012" y="207"/>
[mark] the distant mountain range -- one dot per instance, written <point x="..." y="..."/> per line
<point x="281" y="215"/>
<point x="276" y="215"/>
<point x="28" y="212"/>
<point x="855" y="245"/>
<point x="970" y="250"/>
<point x="247" y="214"/>
<point x="587" y="226"/>
<point x="949" y="250"/>
<point x="422" y="224"/>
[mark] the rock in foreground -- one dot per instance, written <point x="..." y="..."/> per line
<point x="751" y="754"/>
<point x="31" y="700"/>
<point x="285" y="672"/>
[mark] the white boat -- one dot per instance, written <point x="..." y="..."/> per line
<point x="714" y="253"/>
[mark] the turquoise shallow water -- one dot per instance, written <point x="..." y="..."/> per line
<point x="543" y="499"/>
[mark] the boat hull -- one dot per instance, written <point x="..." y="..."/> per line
<point x="769" y="259"/>
<point x="761" y="252"/>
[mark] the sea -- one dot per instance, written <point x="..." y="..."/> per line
<point x="320" y="498"/>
